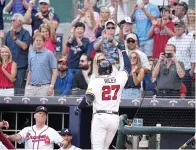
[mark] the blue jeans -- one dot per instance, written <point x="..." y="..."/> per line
<point x="19" y="84"/>
<point x="131" y="94"/>
<point x="147" y="46"/>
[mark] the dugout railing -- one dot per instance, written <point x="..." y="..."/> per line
<point x="168" y="112"/>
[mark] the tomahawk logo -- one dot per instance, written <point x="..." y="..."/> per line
<point x="7" y="99"/>
<point x="26" y="100"/>
<point x="43" y="100"/>
<point x="62" y="100"/>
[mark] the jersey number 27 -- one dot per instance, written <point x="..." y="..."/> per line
<point x="107" y="90"/>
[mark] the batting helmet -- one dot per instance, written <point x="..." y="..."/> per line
<point x="105" y="68"/>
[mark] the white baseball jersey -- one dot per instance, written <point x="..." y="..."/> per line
<point x="42" y="139"/>
<point x="107" y="91"/>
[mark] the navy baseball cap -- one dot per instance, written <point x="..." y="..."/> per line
<point x="41" y="108"/>
<point x="65" y="131"/>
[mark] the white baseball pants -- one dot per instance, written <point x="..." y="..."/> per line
<point x="103" y="130"/>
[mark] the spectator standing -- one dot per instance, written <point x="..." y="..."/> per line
<point x="18" y="41"/>
<point x="185" y="52"/>
<point x="161" y="30"/>
<point x="67" y="136"/>
<point x="106" y="43"/>
<point x="42" y="70"/>
<point x="64" y="79"/>
<point x="191" y="20"/>
<point x="2" y="5"/>
<point x="50" y="35"/>
<point x="39" y="135"/>
<point x="19" y="6"/>
<point x="132" y="46"/>
<point x="142" y="15"/>
<point x="169" y="73"/>
<point x="81" y="79"/>
<point x="180" y="11"/>
<point x="8" y="70"/>
<point x="126" y="27"/>
<point x="136" y="75"/>
<point x="78" y="45"/>
<point x="90" y="18"/>
<point x="104" y="17"/>
<point x="41" y="17"/>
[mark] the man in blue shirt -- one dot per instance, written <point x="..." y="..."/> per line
<point x="64" y="80"/>
<point x="42" y="69"/>
<point x="18" y="41"/>
<point x="41" y="17"/>
<point x="143" y="14"/>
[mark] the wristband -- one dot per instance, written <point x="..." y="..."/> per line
<point x="51" y="86"/>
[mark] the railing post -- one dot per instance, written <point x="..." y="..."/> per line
<point x="74" y="125"/>
<point x="137" y="122"/>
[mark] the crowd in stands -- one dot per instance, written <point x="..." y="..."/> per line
<point x="160" y="42"/>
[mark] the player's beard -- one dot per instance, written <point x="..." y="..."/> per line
<point x="62" y="69"/>
<point x="84" y="67"/>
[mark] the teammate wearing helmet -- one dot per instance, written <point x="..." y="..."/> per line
<point x="104" y="92"/>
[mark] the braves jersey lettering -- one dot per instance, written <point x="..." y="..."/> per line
<point x="107" y="91"/>
<point x="110" y="80"/>
<point x="40" y="139"/>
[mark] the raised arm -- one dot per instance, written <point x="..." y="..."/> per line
<point x="9" y="6"/>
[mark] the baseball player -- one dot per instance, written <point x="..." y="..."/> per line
<point x="39" y="136"/>
<point x="67" y="135"/>
<point x="104" y="92"/>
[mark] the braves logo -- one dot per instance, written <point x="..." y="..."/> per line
<point x="173" y="103"/>
<point x="43" y="100"/>
<point x="7" y="99"/>
<point x="26" y="100"/>
<point x="136" y="102"/>
<point x="154" y="102"/>
<point x="191" y="103"/>
<point x="62" y="100"/>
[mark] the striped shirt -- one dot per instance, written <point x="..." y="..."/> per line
<point x="41" y="65"/>
<point x="185" y="49"/>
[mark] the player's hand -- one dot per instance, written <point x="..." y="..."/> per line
<point x="64" y="144"/>
<point x="76" y="111"/>
<point x="4" y="124"/>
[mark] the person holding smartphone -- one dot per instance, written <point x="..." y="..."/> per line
<point x="169" y="73"/>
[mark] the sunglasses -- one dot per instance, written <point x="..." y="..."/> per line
<point x="99" y="60"/>
<point x="110" y="28"/>
<point x="133" y="57"/>
<point x="130" y="41"/>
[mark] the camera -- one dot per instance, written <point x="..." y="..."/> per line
<point x="168" y="55"/>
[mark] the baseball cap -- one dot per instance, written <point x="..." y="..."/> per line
<point x="109" y="21"/>
<point x="179" y="23"/>
<point x="132" y="36"/>
<point x="41" y="108"/>
<point x="44" y="1"/>
<point x="127" y="20"/>
<point x="65" y="131"/>
<point x="62" y="60"/>
<point x="184" y="4"/>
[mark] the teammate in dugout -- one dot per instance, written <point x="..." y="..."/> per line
<point x="105" y="120"/>
<point x="39" y="136"/>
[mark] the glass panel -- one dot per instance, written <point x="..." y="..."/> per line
<point x="24" y="120"/>
<point x="11" y="118"/>
<point x="55" y="121"/>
